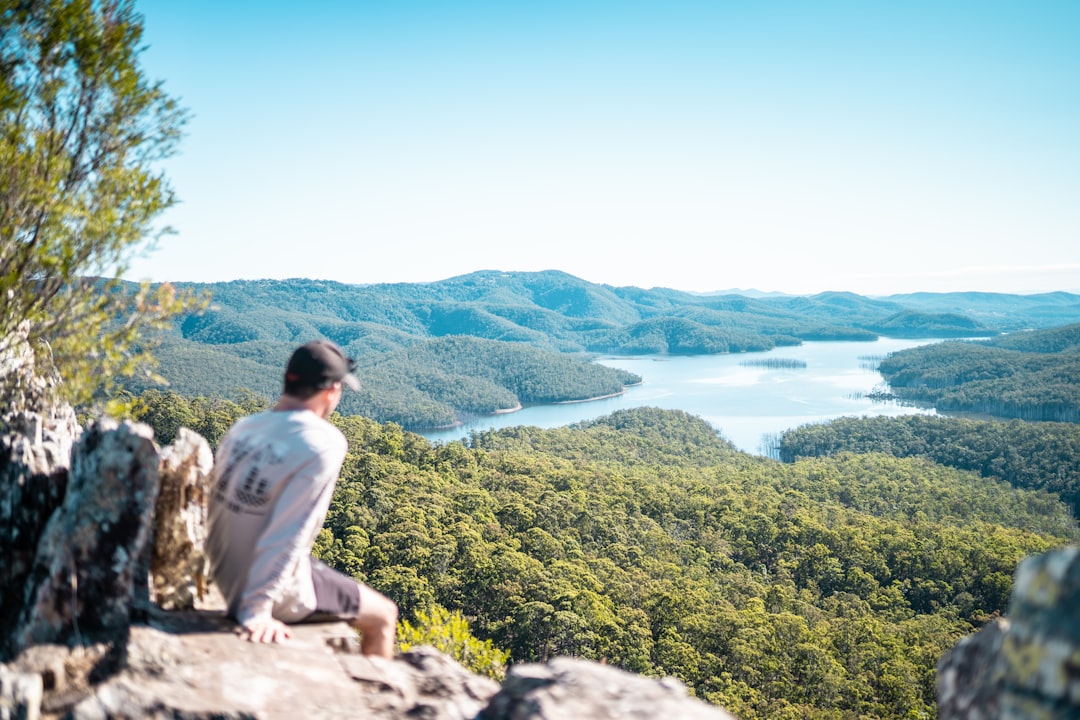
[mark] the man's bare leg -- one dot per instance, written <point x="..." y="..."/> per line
<point x="377" y="623"/>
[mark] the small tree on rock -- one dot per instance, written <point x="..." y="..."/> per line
<point x="82" y="134"/>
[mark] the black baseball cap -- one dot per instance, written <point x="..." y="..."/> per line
<point x="320" y="364"/>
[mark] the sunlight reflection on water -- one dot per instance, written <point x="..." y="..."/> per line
<point x="743" y="403"/>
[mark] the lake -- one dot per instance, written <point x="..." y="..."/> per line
<point x="735" y="393"/>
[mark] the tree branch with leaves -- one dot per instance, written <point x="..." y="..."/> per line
<point x="82" y="136"/>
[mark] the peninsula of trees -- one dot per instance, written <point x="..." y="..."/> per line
<point x="1026" y="375"/>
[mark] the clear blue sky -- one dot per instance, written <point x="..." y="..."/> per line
<point x="799" y="146"/>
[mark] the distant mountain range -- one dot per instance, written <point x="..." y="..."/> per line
<point x="521" y="328"/>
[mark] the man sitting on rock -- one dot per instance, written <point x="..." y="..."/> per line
<point x="270" y="491"/>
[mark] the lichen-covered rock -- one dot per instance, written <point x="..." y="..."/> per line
<point x="194" y="665"/>
<point x="23" y="387"/>
<point x="85" y="570"/>
<point x="35" y="453"/>
<point x="1029" y="667"/>
<point x="1041" y="651"/>
<point x="178" y="561"/>
<point x="31" y="489"/>
<point x="572" y="689"/>
<point x="969" y="676"/>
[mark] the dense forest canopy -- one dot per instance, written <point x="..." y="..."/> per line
<point x="828" y="588"/>
<point x="410" y="341"/>
<point x="1036" y="456"/>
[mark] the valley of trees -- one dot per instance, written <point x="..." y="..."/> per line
<point x="1026" y="375"/>
<point x="431" y="354"/>
<point x="824" y="588"/>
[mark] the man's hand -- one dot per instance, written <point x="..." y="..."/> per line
<point x="267" y="630"/>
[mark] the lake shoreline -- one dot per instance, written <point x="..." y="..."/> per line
<point x="744" y="404"/>
<point x="519" y="407"/>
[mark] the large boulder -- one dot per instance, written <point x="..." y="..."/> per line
<point x="178" y="562"/>
<point x="36" y="438"/>
<point x="572" y="689"/>
<point x="1028" y="667"/>
<point x="86" y="569"/>
<point x="192" y="664"/>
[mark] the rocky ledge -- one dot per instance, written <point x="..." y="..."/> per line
<point x="193" y="665"/>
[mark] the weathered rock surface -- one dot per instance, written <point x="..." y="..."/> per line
<point x="968" y="677"/>
<point x="83" y="581"/>
<point x="20" y="695"/>
<point x="178" y="562"/>
<point x="193" y="665"/>
<point x="572" y="689"/>
<point x="1028" y="667"/>
<point x="35" y="453"/>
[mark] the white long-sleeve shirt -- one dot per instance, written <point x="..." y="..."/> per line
<point x="270" y="491"/>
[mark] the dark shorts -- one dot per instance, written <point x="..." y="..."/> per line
<point x="337" y="596"/>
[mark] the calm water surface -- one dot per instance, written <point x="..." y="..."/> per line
<point x="743" y="402"/>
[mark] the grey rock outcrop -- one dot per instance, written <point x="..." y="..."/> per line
<point x="1027" y="667"/>
<point x="968" y="676"/>
<point x="178" y="562"/>
<point x="35" y="453"/>
<point x="192" y="665"/>
<point x="572" y="689"/>
<point x="86" y="570"/>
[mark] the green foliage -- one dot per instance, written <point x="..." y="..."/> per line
<point x="1031" y="376"/>
<point x="678" y="336"/>
<point x="825" y="588"/>
<point x="1064" y="339"/>
<point x="81" y="134"/>
<point x="166" y="412"/>
<point x="1036" y="456"/>
<point x="431" y="383"/>
<point x="449" y="632"/>
<point x="912" y="323"/>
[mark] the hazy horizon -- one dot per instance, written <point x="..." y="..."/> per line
<point x="749" y="291"/>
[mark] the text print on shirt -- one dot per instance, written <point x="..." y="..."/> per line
<point x="251" y="494"/>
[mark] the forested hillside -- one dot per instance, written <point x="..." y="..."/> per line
<point x="1027" y="375"/>
<point x="1036" y="456"/>
<point x="827" y="588"/>
<point x="429" y="383"/>
<point x="243" y="339"/>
